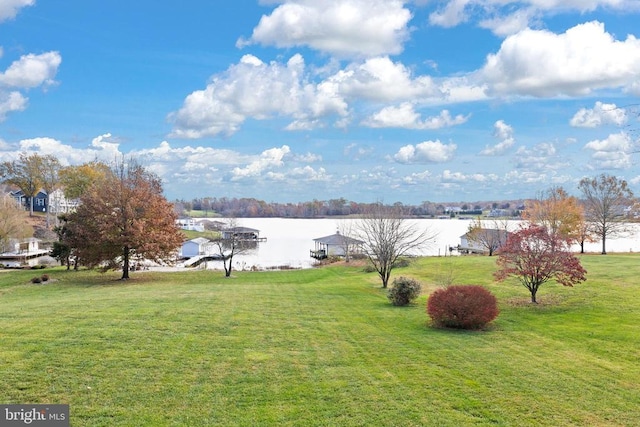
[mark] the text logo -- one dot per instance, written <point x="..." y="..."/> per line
<point x="34" y="415"/>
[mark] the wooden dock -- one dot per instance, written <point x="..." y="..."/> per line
<point x="15" y="260"/>
<point x="9" y="256"/>
<point x="197" y="260"/>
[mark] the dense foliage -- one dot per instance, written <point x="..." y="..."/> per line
<point x="121" y="218"/>
<point x="559" y="212"/>
<point x="404" y="291"/>
<point x="462" y="307"/>
<point x="534" y="256"/>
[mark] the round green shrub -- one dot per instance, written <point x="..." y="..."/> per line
<point x="402" y="263"/>
<point x="404" y="291"/>
<point x="462" y="307"/>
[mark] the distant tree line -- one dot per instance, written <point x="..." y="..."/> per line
<point x="254" y="208"/>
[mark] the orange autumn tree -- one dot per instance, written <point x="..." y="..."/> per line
<point x="124" y="217"/>
<point x="560" y="213"/>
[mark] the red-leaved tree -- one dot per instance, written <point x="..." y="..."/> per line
<point x="123" y="217"/>
<point x="534" y="256"/>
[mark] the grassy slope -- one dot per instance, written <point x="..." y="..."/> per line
<point x="320" y="347"/>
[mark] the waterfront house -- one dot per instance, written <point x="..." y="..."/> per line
<point x="39" y="201"/>
<point x="242" y="234"/>
<point x="336" y="245"/>
<point x="190" y="224"/>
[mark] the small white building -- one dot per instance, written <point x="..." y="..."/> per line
<point x="26" y="246"/>
<point x="190" y="224"/>
<point x="194" y="247"/>
<point x="59" y="204"/>
<point x="487" y="240"/>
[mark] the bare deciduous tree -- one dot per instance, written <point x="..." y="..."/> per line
<point x="349" y="245"/>
<point x="389" y="235"/>
<point x="489" y="238"/>
<point x="49" y="179"/>
<point x="24" y="173"/>
<point x="13" y="223"/>
<point x="230" y="243"/>
<point x="606" y="198"/>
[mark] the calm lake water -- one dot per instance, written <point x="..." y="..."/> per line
<point x="290" y="240"/>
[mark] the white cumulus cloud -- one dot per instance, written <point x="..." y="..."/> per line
<point x="544" y="64"/>
<point x="12" y="101"/>
<point x="9" y="8"/>
<point x="102" y="148"/>
<point x="344" y="28"/>
<point x="405" y="116"/>
<point x="452" y="14"/>
<point x="600" y="114"/>
<point x="426" y="152"/>
<point x="31" y="71"/>
<point x="614" y="152"/>
<point x="505" y="17"/>
<point x="381" y="79"/>
<point x="258" y="90"/>
<point x="269" y="159"/>
<point x="504" y="134"/>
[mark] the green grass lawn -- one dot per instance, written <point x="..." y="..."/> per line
<point x="321" y="347"/>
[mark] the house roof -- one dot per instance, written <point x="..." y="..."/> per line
<point x="20" y="193"/>
<point x="199" y="240"/>
<point x="338" y="239"/>
<point x="242" y="230"/>
<point x="492" y="231"/>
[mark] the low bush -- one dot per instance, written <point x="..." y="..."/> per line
<point x="36" y="280"/>
<point x="45" y="277"/>
<point x="402" y="263"/>
<point x="369" y="268"/>
<point x="404" y="291"/>
<point x="462" y="307"/>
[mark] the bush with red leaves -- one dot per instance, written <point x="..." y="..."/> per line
<point x="462" y="307"/>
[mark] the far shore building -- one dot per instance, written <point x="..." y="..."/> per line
<point x="190" y="224"/>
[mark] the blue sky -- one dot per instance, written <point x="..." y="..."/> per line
<point x="286" y="101"/>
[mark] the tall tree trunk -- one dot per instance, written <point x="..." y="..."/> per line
<point x="227" y="268"/>
<point x="533" y="296"/>
<point x="47" y="208"/>
<point x="604" y="250"/>
<point x="385" y="278"/>
<point x="125" y="264"/>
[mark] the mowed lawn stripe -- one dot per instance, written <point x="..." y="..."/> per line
<point x="320" y="347"/>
